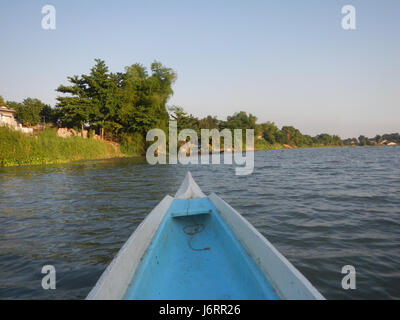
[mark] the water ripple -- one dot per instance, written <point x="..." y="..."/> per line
<point x="322" y="208"/>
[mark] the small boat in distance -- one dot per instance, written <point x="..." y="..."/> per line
<point x="196" y="247"/>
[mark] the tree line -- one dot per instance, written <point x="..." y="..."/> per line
<point x="123" y="106"/>
<point x="266" y="131"/>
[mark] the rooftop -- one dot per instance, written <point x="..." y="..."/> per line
<point x="4" y="108"/>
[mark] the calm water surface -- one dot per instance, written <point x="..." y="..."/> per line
<point x="322" y="208"/>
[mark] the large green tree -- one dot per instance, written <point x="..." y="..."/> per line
<point x="117" y="103"/>
<point x="144" y="97"/>
<point x="101" y="89"/>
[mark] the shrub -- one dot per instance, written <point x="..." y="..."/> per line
<point x="132" y="144"/>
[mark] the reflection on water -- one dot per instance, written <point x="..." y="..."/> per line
<point x="322" y="208"/>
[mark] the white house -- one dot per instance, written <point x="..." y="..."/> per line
<point x="7" y="118"/>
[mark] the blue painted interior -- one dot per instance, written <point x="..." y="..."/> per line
<point x="197" y="256"/>
<point x="180" y="208"/>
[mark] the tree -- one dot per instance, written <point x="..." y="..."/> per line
<point x="144" y="97"/>
<point x="240" y="120"/>
<point x="118" y="103"/>
<point x="290" y="135"/>
<point x="73" y="111"/>
<point x="1" y="101"/>
<point x="184" y="121"/>
<point x="100" y="89"/>
<point x="307" y="140"/>
<point x="269" y="132"/>
<point x="362" y="140"/>
<point x="208" y="122"/>
<point x="326" y="139"/>
<point x="93" y="99"/>
<point x="47" y="114"/>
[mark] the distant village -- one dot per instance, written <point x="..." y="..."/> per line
<point x="384" y="140"/>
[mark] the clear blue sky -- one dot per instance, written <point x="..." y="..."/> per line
<point x="284" y="61"/>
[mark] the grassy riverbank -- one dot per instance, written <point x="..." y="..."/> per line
<point x="261" y="144"/>
<point x="46" y="147"/>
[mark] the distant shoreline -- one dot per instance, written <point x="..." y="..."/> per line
<point x="52" y="147"/>
<point x="318" y="147"/>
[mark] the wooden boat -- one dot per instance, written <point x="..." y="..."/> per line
<point x="196" y="247"/>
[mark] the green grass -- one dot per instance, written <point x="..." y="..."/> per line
<point x="17" y="148"/>
<point x="133" y="144"/>
<point x="261" y="144"/>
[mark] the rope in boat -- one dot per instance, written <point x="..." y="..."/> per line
<point x="192" y="230"/>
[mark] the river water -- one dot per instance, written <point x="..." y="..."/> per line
<point x="322" y="209"/>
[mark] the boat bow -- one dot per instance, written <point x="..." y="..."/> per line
<point x="189" y="189"/>
<point x="236" y="259"/>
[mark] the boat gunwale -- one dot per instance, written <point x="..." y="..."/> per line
<point x="244" y="230"/>
<point x="105" y="288"/>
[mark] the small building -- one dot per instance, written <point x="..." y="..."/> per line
<point x="7" y="116"/>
